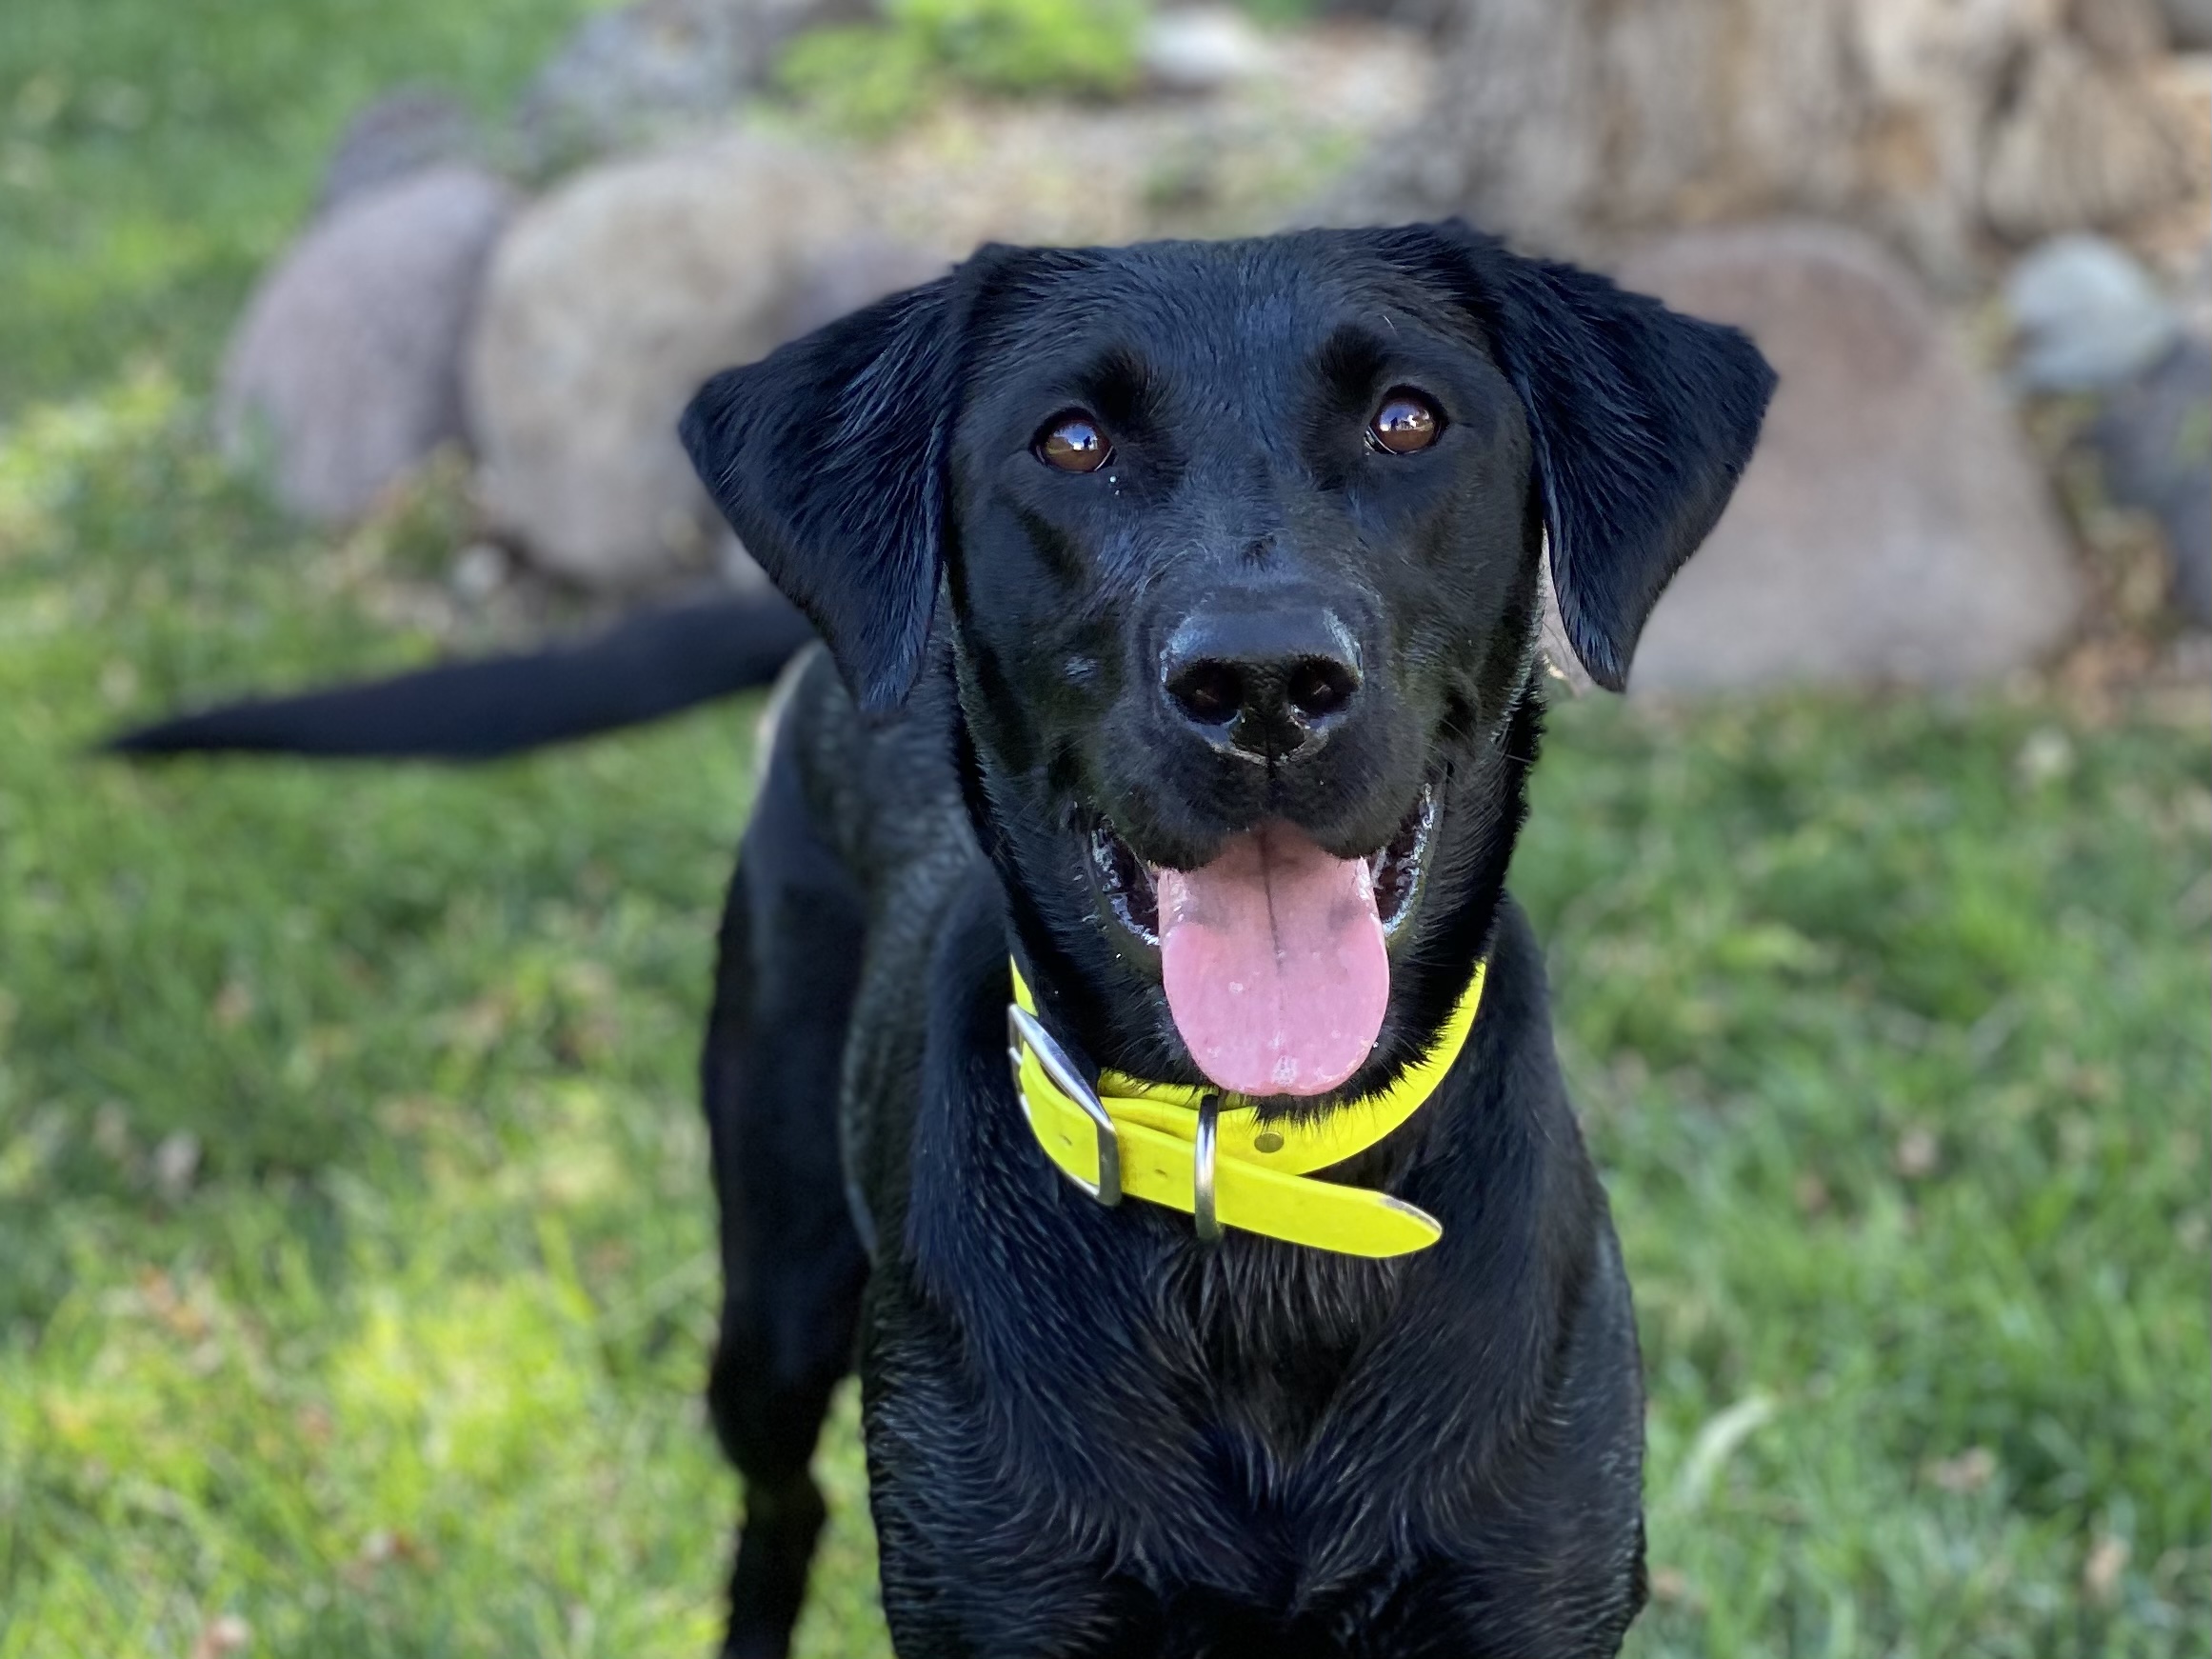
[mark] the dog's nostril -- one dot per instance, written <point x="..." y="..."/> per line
<point x="1319" y="686"/>
<point x="1208" y="692"/>
<point x="1266" y="681"/>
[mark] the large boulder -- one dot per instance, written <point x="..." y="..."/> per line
<point x="344" y="370"/>
<point x="607" y="305"/>
<point x="2190" y="23"/>
<point x="1892" y="526"/>
<point x="1581" y="125"/>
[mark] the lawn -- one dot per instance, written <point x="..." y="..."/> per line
<point x="355" y="1245"/>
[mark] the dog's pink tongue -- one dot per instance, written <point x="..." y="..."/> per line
<point x="1274" y="963"/>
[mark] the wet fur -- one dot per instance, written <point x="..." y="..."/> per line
<point x="1087" y="1433"/>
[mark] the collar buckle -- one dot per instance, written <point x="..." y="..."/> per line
<point x="1025" y="1030"/>
<point x="1203" y="1145"/>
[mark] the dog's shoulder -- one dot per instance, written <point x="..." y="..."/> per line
<point x="883" y="789"/>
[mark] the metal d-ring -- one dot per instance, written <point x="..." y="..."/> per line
<point x="1025" y="1029"/>
<point x="1202" y="1167"/>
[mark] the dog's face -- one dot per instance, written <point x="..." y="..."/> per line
<point x="1241" y="545"/>
<point x="1242" y="558"/>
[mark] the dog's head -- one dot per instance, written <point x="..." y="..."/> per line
<point x="1240" y="544"/>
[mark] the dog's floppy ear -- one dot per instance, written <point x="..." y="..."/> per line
<point x="1642" y="419"/>
<point x="829" y="459"/>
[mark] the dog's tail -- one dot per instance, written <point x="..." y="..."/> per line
<point x="653" y="663"/>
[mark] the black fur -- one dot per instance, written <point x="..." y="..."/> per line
<point x="846" y="435"/>
<point x="1088" y="1434"/>
<point x="1642" y="420"/>
<point x="653" y="663"/>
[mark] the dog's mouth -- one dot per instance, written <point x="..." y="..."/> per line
<point x="1275" y="954"/>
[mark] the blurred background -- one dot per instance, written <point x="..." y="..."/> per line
<point x="355" y="1243"/>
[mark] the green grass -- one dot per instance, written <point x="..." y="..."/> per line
<point x="155" y="153"/>
<point x="355" y="1245"/>
<point x="868" y="78"/>
<point x="1890" y="1023"/>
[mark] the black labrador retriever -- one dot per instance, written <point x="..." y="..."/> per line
<point x="1182" y="684"/>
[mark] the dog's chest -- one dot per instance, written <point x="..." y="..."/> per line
<point x="1262" y="1340"/>
<point x="1204" y="1410"/>
<point x="1082" y="1420"/>
<point x="1236" y="1433"/>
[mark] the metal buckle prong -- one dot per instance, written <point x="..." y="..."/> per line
<point x="1025" y="1030"/>
<point x="1202" y="1167"/>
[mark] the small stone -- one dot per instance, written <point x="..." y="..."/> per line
<point x="2154" y="442"/>
<point x="2101" y="1573"/>
<point x="2047" y="756"/>
<point x="222" y="1637"/>
<point x="2189" y="24"/>
<point x="177" y="1160"/>
<point x="1970" y="1471"/>
<point x="1202" y="51"/>
<point x="2088" y="316"/>
<point x="234" y="1004"/>
<point x="481" y="570"/>
<point x="1916" y="1154"/>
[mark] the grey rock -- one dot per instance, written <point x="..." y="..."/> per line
<point x="630" y="76"/>
<point x="2088" y="316"/>
<point x="2194" y="300"/>
<point x="1202" y="49"/>
<point x="2154" y="439"/>
<point x="2189" y="24"/>
<point x="1428" y="16"/>
<point x="402" y="133"/>
<point x="607" y="305"/>
<point x="1892" y="528"/>
<point x="345" y="370"/>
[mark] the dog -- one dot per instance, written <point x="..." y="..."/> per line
<point x="1177" y="688"/>
<point x="1122" y="1042"/>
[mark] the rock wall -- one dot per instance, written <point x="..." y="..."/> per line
<point x="1583" y="125"/>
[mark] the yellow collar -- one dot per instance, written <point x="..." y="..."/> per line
<point x="1207" y="1155"/>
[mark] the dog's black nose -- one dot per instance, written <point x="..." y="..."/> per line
<point x="1266" y="684"/>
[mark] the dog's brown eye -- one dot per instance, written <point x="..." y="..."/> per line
<point x="1406" y="422"/>
<point x="1073" y="444"/>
